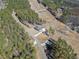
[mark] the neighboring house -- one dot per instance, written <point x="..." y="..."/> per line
<point x="59" y="13"/>
<point x="42" y="35"/>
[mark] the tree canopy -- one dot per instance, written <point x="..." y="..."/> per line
<point x="60" y="50"/>
<point x="14" y="41"/>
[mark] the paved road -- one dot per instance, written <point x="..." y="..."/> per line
<point x="32" y="32"/>
<point x="61" y="29"/>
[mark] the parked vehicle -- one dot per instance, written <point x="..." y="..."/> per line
<point x="39" y="28"/>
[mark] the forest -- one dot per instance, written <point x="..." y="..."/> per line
<point x="14" y="42"/>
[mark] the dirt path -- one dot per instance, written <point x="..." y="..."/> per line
<point x="61" y="29"/>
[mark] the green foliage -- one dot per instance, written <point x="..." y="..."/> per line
<point x="61" y="50"/>
<point x="55" y="4"/>
<point x="13" y="38"/>
<point x="50" y="4"/>
<point x="23" y="10"/>
<point x="18" y="4"/>
<point x="64" y="50"/>
<point x="51" y="31"/>
<point x="14" y="42"/>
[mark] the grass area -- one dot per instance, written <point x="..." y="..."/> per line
<point x="23" y="10"/>
<point x="14" y="42"/>
<point x="2" y="41"/>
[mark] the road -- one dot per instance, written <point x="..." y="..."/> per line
<point x="31" y="33"/>
<point x="61" y="30"/>
<point x="41" y="50"/>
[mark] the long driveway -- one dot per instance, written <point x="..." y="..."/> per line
<point x="61" y="30"/>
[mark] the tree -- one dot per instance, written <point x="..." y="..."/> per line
<point x="61" y="50"/>
<point x="64" y="50"/>
<point x="13" y="38"/>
